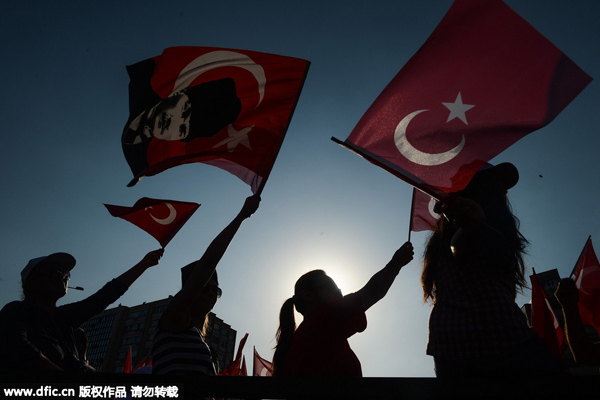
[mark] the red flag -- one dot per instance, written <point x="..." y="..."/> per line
<point x="422" y="217"/>
<point x="587" y="280"/>
<point x="145" y="362"/>
<point x="127" y="366"/>
<point x="160" y="218"/>
<point x="261" y="366"/>
<point x="244" y="371"/>
<point x="484" y="79"/>
<point x="543" y="320"/>
<point x="234" y="369"/>
<point x="228" y="108"/>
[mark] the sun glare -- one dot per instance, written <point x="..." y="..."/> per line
<point x="346" y="278"/>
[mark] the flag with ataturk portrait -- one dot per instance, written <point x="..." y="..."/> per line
<point x="162" y="219"/>
<point x="223" y="107"/>
<point x="484" y="79"/>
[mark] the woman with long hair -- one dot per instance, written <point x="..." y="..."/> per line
<point x="473" y="269"/>
<point x="319" y="346"/>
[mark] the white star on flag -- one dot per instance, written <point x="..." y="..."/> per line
<point x="458" y="109"/>
<point x="235" y="138"/>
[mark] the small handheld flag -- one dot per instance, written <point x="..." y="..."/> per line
<point x="543" y="320"/>
<point x="162" y="219"/>
<point x="587" y="279"/>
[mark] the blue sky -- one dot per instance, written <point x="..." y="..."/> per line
<point x="65" y="101"/>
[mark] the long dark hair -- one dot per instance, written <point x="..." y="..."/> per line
<point x="504" y="254"/>
<point x="287" y="322"/>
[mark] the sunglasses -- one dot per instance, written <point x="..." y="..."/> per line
<point x="215" y="288"/>
<point x="55" y="273"/>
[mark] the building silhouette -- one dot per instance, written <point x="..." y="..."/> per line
<point x="114" y="331"/>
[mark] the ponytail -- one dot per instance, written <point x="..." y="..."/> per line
<point x="284" y="335"/>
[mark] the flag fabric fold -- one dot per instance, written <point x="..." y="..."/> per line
<point x="587" y="279"/>
<point x="162" y="219"/>
<point x="483" y="79"/>
<point x="261" y="367"/>
<point x="235" y="368"/>
<point x="146" y="362"/>
<point x="422" y="217"/>
<point x="224" y="107"/>
<point x="127" y="366"/>
<point x="543" y="320"/>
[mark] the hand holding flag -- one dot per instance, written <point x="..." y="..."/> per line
<point x="160" y="218"/>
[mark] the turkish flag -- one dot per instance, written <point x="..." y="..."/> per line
<point x="587" y="280"/>
<point x="244" y="370"/>
<point x="235" y="368"/>
<point x="144" y="363"/>
<point x="127" y="366"/>
<point x="543" y="320"/>
<point x="228" y="108"/>
<point x="422" y="216"/>
<point x="160" y="218"/>
<point x="484" y="79"/>
<point x="261" y="366"/>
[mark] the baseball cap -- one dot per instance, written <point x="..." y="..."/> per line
<point x="65" y="260"/>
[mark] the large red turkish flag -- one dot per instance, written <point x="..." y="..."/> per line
<point x="224" y="107"/>
<point x="160" y="218"/>
<point x="484" y="79"/>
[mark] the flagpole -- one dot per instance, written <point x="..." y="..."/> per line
<point x="406" y="176"/>
<point x="412" y="209"/>
<point x="587" y="242"/>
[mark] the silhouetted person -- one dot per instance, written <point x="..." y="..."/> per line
<point x="473" y="267"/>
<point x="583" y="349"/>
<point x="35" y="334"/>
<point x="81" y="344"/>
<point x="319" y="347"/>
<point x="179" y="345"/>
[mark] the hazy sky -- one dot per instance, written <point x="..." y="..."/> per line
<point x="65" y="101"/>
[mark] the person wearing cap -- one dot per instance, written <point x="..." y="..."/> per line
<point x="473" y="269"/>
<point x="35" y="334"/>
<point x="179" y="345"/>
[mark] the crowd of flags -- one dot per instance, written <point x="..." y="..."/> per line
<point x="260" y="367"/>
<point x="586" y="275"/>
<point x="484" y="79"/>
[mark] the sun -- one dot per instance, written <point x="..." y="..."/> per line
<point x="346" y="278"/>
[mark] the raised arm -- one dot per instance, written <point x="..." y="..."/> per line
<point x="584" y="351"/>
<point x="380" y="283"/>
<point x="151" y="259"/>
<point x="177" y="316"/>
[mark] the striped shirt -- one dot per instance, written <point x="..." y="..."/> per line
<point x="181" y="353"/>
